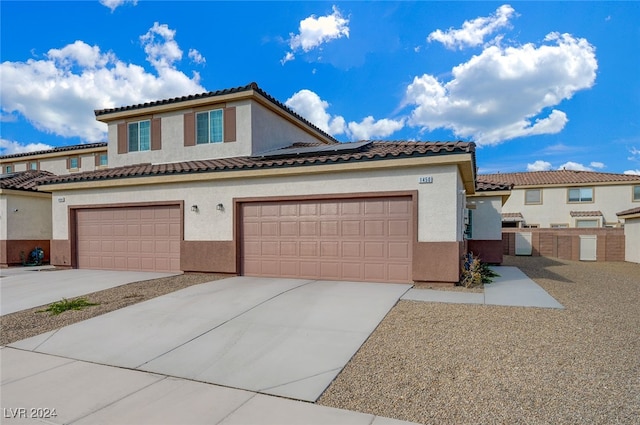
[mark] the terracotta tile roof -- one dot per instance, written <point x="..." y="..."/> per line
<point x="374" y="151"/>
<point x="560" y="177"/>
<point x="251" y="86"/>
<point x="512" y="217"/>
<point x="57" y="149"/>
<point x="586" y="213"/>
<point x="631" y="211"/>
<point x="486" y="186"/>
<point x="23" y="180"/>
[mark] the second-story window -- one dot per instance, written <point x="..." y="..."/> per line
<point x="74" y="163"/>
<point x="582" y="194"/>
<point x="533" y="197"/>
<point x="139" y="136"/>
<point x="636" y="193"/>
<point x="8" y="169"/>
<point x="209" y="127"/>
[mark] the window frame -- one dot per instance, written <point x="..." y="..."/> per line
<point x="210" y="122"/>
<point x="580" y="199"/>
<point x="139" y="136"/>
<point x="106" y="160"/>
<point x="8" y="169"/>
<point x="635" y="193"/>
<point x="539" y="202"/>
<point x="582" y="220"/>
<point x="71" y="160"/>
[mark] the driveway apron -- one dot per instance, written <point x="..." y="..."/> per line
<point x="287" y="337"/>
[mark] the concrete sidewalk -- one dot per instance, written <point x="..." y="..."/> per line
<point x="40" y="388"/>
<point x="511" y="288"/>
<point x="22" y="288"/>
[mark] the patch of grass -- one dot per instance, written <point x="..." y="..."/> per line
<point x="65" y="305"/>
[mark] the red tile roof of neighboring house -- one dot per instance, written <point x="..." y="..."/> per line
<point x="586" y="213"/>
<point x="57" y="149"/>
<point x="631" y="211"/>
<point x="251" y="86"/>
<point x="512" y="216"/>
<point x="559" y="177"/>
<point x="374" y="151"/>
<point x="486" y="186"/>
<point x="23" y="180"/>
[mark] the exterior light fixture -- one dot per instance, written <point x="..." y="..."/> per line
<point x="194" y="208"/>
<point x="220" y="207"/>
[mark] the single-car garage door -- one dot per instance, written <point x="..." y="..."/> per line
<point x="362" y="239"/>
<point x="129" y="238"/>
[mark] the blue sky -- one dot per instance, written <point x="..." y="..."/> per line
<point x="537" y="85"/>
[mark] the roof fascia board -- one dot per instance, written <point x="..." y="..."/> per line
<point x="29" y="193"/>
<point x="504" y="194"/>
<point x="463" y="161"/>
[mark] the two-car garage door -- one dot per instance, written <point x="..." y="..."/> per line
<point x="361" y="239"/>
<point x="143" y="238"/>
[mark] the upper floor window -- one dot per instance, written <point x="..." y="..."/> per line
<point x="636" y="193"/>
<point x="8" y="169"/>
<point x="581" y="194"/>
<point x="33" y="165"/>
<point x="74" y="163"/>
<point x="103" y="160"/>
<point x="139" y="136"/>
<point x="533" y="196"/>
<point x="209" y="127"/>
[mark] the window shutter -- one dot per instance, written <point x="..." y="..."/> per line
<point x="68" y="163"/>
<point x="96" y="159"/>
<point x="156" y="134"/>
<point x="79" y="162"/>
<point x="230" y="124"/>
<point x="190" y="129"/>
<point x="123" y="145"/>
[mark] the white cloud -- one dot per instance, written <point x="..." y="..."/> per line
<point x="505" y="92"/>
<point x="10" y="147"/>
<point x="575" y="166"/>
<point x="114" y="4"/>
<point x="474" y="32"/>
<point x="57" y="94"/>
<point x="368" y="128"/>
<point x="309" y="105"/>
<point x="633" y="172"/>
<point x="598" y="165"/>
<point x="539" y="166"/>
<point x="315" y="31"/>
<point x="196" y="56"/>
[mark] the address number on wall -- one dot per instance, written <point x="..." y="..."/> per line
<point x="426" y="179"/>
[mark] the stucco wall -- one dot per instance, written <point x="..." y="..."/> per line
<point x="56" y="165"/>
<point x="556" y="210"/>
<point x="439" y="203"/>
<point x="487" y="218"/>
<point x="31" y="221"/>
<point x="632" y="240"/>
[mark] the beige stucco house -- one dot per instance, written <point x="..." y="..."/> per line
<point x="59" y="160"/>
<point x="25" y="217"/>
<point x="631" y="219"/>
<point x="565" y="198"/>
<point x="233" y="181"/>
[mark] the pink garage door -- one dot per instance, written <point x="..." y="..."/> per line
<point x="368" y="239"/>
<point x="131" y="238"/>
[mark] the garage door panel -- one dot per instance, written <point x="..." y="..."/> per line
<point x="366" y="239"/>
<point x="129" y="238"/>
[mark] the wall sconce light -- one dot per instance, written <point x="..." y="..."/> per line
<point x="194" y="208"/>
<point x="15" y="210"/>
<point x="220" y="207"/>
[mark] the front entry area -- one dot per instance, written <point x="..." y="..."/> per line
<point x="355" y="239"/>
<point x="135" y="238"/>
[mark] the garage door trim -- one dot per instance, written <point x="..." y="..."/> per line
<point x="73" y="219"/>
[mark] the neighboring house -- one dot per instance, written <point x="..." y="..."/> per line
<point x="484" y="220"/>
<point x="234" y="181"/>
<point x="25" y="216"/>
<point x="565" y="198"/>
<point x="60" y="160"/>
<point x="631" y="219"/>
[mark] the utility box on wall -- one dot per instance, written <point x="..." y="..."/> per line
<point x="523" y="243"/>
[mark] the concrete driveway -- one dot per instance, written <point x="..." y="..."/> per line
<point x="27" y="287"/>
<point x="285" y="337"/>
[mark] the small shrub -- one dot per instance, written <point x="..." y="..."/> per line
<point x="475" y="272"/>
<point x="65" y="304"/>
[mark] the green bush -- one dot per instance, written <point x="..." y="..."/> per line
<point x="475" y="272"/>
<point x="65" y="304"/>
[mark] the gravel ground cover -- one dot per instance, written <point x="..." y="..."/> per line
<point x="28" y="323"/>
<point x="475" y="364"/>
